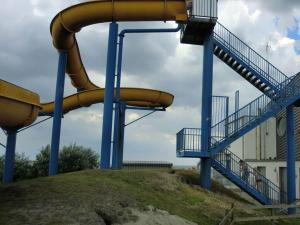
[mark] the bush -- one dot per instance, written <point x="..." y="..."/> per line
<point x="23" y="167"/>
<point x="71" y="158"/>
<point x="74" y="158"/>
<point x="41" y="163"/>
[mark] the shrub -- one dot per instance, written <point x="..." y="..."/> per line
<point x="71" y="158"/>
<point x="74" y="158"/>
<point x="23" y="167"/>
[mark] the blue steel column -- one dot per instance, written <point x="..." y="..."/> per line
<point x="57" y="115"/>
<point x="119" y="144"/>
<point x="8" y="172"/>
<point x="207" y="87"/>
<point x="117" y="122"/>
<point x="122" y="133"/>
<point x="291" y="157"/>
<point x="109" y="96"/>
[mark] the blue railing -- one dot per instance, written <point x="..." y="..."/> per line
<point x="289" y="89"/>
<point x="188" y="139"/>
<point x="204" y="8"/>
<point x="247" y="55"/>
<point x="250" y="177"/>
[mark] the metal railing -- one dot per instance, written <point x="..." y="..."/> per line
<point x="248" y="114"/>
<point x="188" y="139"/>
<point x="248" y="56"/>
<point x="205" y="9"/>
<point x="250" y="176"/>
<point x="220" y="109"/>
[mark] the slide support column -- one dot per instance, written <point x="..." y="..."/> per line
<point x="8" y="172"/>
<point x="207" y="87"/>
<point x="117" y="162"/>
<point x="57" y="115"/>
<point x="117" y="121"/>
<point x="109" y="96"/>
<point x="291" y="157"/>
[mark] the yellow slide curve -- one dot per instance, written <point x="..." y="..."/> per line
<point x="20" y="107"/>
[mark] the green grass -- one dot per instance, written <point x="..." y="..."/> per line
<point x="87" y="196"/>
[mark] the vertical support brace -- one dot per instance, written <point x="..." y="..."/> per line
<point x="236" y="108"/>
<point x="117" y="122"/>
<point x="207" y="87"/>
<point x="58" y="105"/>
<point x="226" y="117"/>
<point x="291" y="157"/>
<point x="8" y="172"/>
<point x="109" y="96"/>
<point x="119" y="145"/>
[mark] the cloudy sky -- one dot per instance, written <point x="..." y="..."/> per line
<point x="28" y="59"/>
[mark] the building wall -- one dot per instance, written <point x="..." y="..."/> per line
<point x="265" y="146"/>
<point x="281" y="139"/>
<point x="258" y="144"/>
<point x="272" y="171"/>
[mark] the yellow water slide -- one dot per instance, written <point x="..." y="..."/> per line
<point x="20" y="107"/>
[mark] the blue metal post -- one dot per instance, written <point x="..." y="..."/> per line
<point x="226" y="116"/>
<point x="118" y="144"/>
<point x="109" y="96"/>
<point x="122" y="134"/>
<point x="236" y="108"/>
<point x="57" y="115"/>
<point x="207" y="87"/>
<point x="117" y="122"/>
<point x="291" y="157"/>
<point x="8" y="172"/>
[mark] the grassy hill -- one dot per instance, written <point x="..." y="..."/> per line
<point x="115" y="197"/>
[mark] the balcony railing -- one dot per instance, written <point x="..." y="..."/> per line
<point x="204" y="9"/>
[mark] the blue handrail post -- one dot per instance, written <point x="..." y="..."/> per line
<point x="207" y="87"/>
<point x="291" y="155"/>
<point x="109" y="96"/>
<point x="8" y="172"/>
<point x="236" y="108"/>
<point x="57" y="115"/>
<point x="226" y="116"/>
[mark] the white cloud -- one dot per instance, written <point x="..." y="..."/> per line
<point x="150" y="60"/>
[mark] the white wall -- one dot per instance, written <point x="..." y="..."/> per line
<point x="259" y="143"/>
<point x="272" y="172"/>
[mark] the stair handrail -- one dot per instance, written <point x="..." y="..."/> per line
<point x="281" y="75"/>
<point x="271" y="185"/>
<point x="262" y="103"/>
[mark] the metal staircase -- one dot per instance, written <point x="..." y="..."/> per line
<point x="278" y="90"/>
<point x="246" y="61"/>
<point x="248" y="179"/>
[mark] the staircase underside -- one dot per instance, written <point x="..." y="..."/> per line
<point x="195" y="33"/>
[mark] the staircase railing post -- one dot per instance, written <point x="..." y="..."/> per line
<point x="226" y="116"/>
<point x="207" y="87"/>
